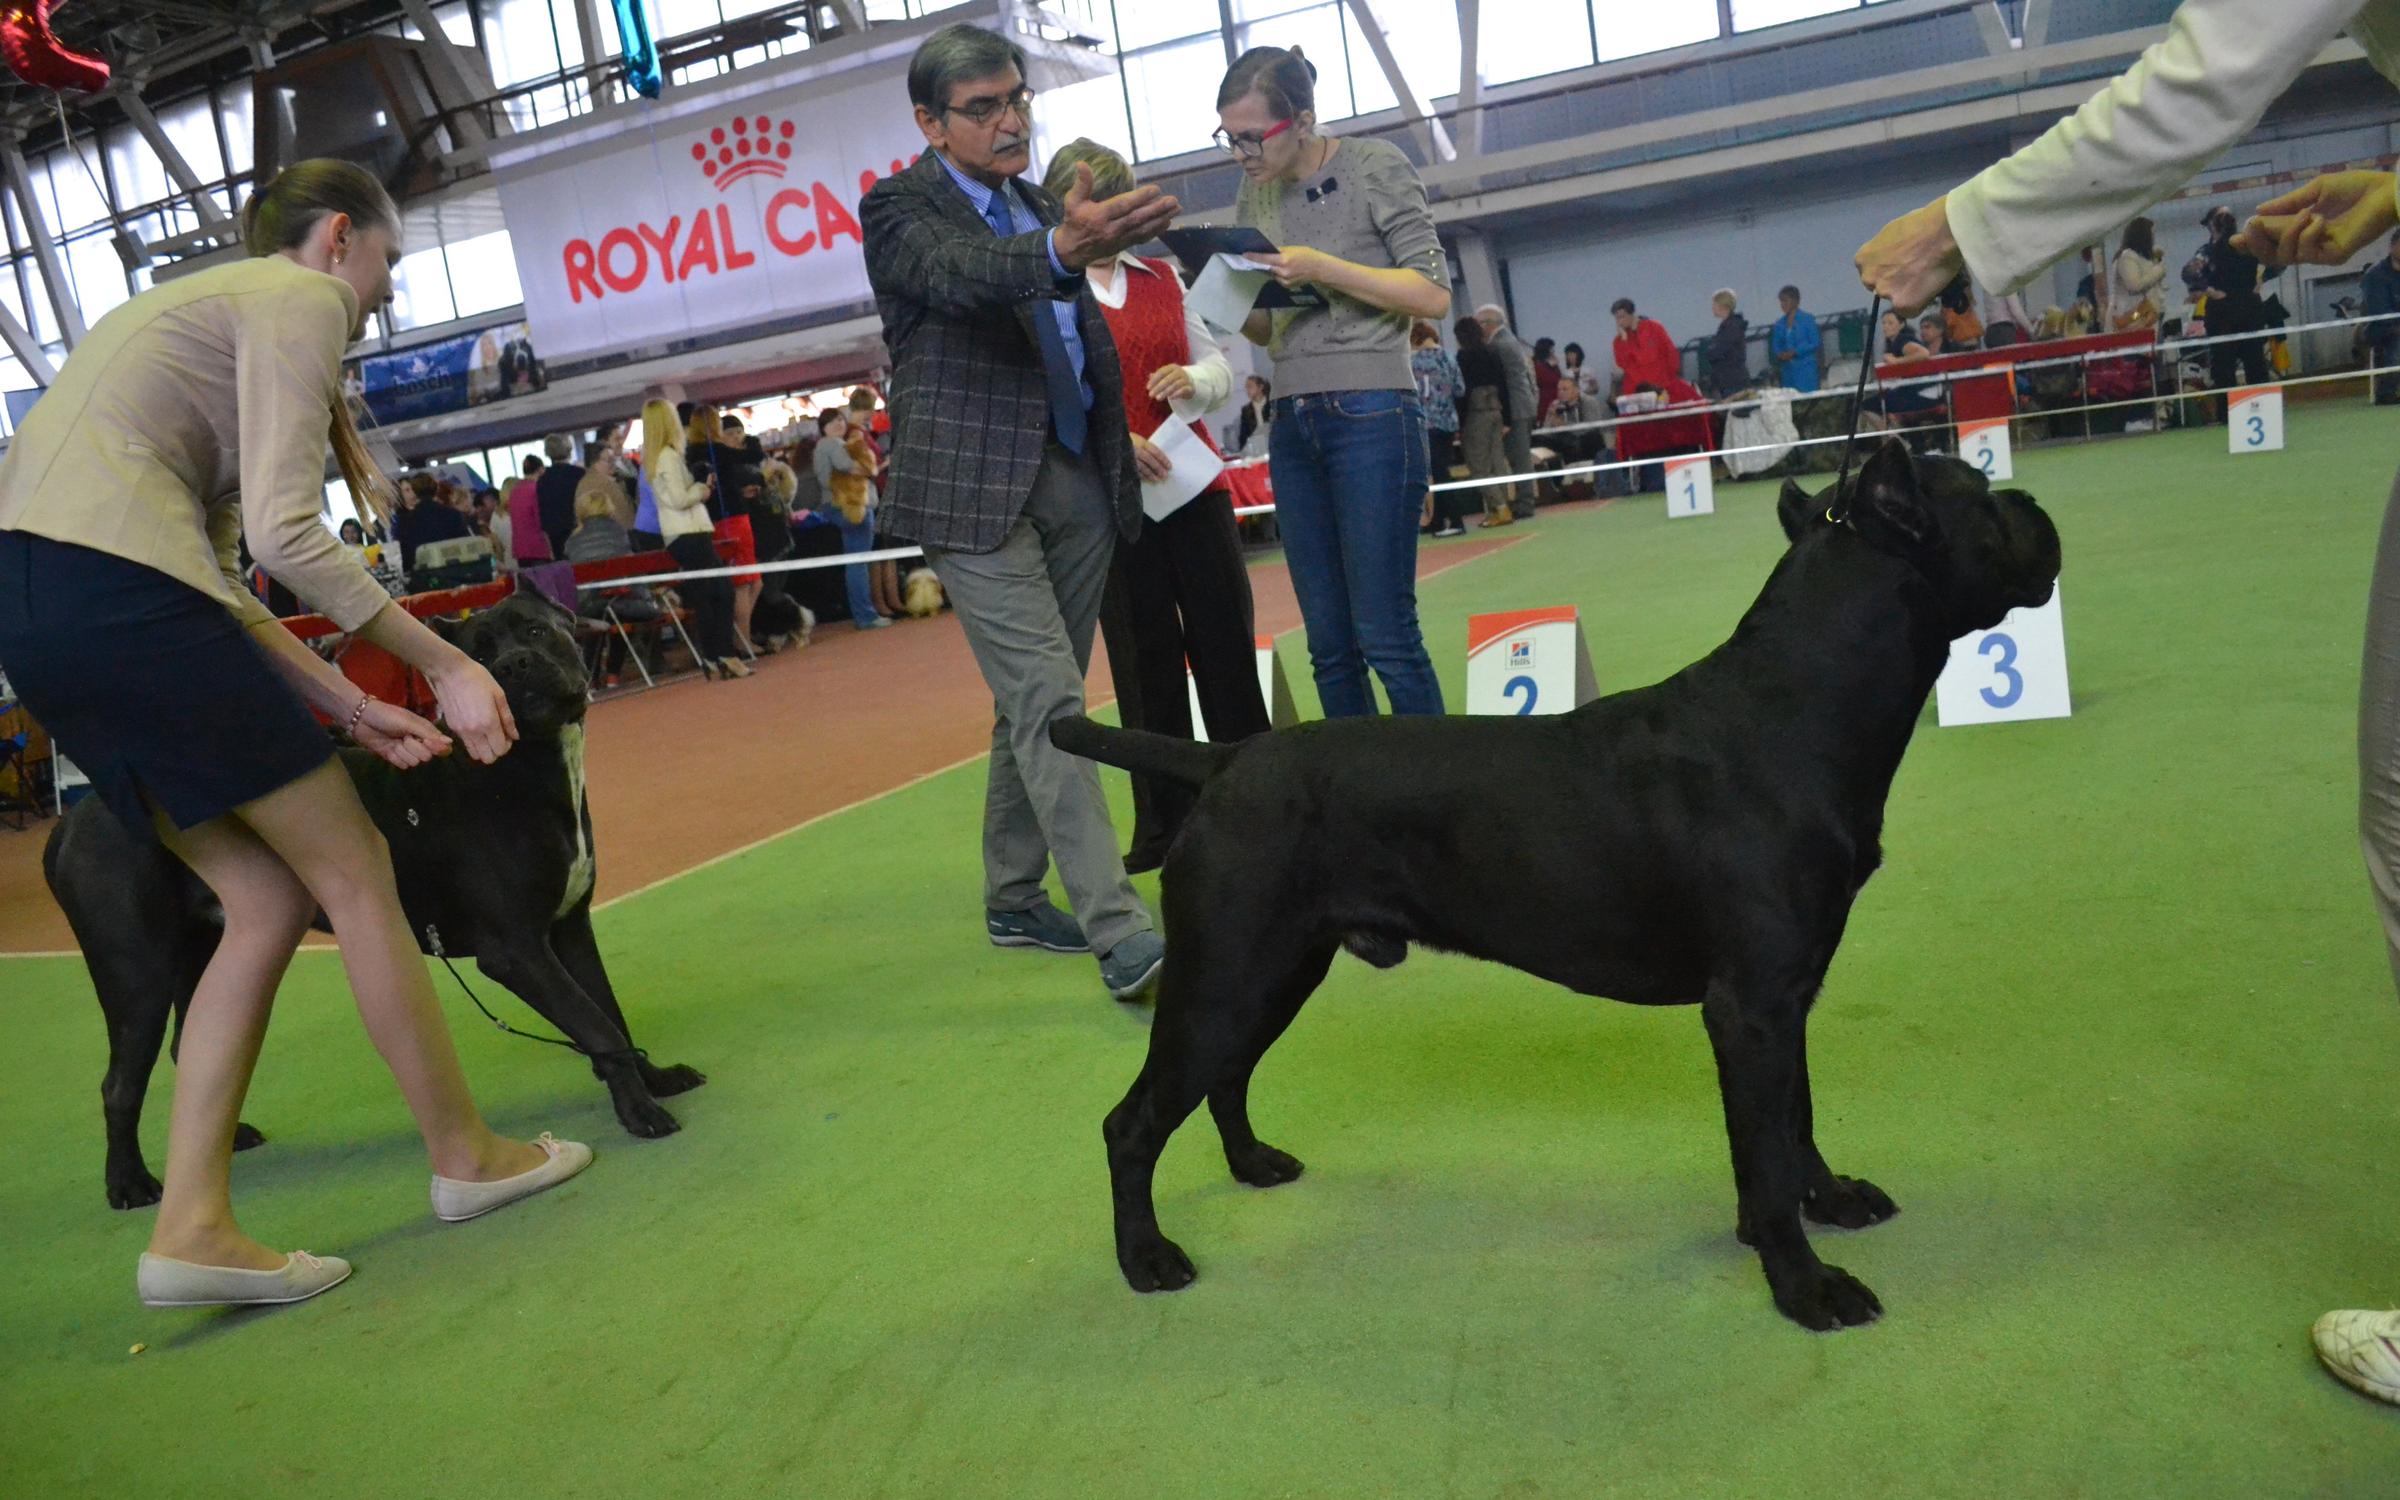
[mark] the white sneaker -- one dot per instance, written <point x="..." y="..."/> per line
<point x="181" y="1283"/>
<point x="455" y="1202"/>
<point x="2362" y="1349"/>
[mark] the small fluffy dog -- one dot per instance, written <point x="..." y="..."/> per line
<point x="922" y="592"/>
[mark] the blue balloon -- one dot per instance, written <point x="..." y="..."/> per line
<point x="641" y="52"/>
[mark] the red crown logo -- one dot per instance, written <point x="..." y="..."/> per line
<point x="748" y="146"/>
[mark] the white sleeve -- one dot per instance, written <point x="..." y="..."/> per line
<point x="2187" y="99"/>
<point x="1212" y="377"/>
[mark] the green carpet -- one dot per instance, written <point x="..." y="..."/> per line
<point x="2113" y="1026"/>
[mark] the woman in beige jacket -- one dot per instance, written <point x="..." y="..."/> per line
<point x="192" y="414"/>
<point x="2188" y="99"/>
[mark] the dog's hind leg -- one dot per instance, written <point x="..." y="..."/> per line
<point x="1844" y="1202"/>
<point x="572" y="940"/>
<point x="1755" y="1029"/>
<point x="536" y="976"/>
<point x="1252" y="1160"/>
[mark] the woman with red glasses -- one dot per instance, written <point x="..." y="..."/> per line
<point x="1347" y="444"/>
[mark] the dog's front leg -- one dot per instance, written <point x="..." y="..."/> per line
<point x="1755" y="1030"/>
<point x="572" y="940"/>
<point x="1844" y="1202"/>
<point x="534" y="975"/>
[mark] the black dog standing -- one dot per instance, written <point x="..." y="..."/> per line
<point x="493" y="862"/>
<point x="1710" y="833"/>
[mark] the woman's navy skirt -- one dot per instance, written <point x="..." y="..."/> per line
<point x="152" y="688"/>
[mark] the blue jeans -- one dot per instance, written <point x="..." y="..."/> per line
<point x="1349" y="471"/>
<point x="859" y="538"/>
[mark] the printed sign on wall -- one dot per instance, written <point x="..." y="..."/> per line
<point x="706" y="217"/>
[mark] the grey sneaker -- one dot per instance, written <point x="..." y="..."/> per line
<point x="1043" y="926"/>
<point x="1131" y="968"/>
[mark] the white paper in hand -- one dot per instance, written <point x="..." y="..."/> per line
<point x="1195" y="464"/>
<point x="1223" y="295"/>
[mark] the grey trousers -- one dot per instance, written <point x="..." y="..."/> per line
<point x="1487" y="454"/>
<point x="1029" y="609"/>
<point x="2379" y="732"/>
<point x="1520" y="461"/>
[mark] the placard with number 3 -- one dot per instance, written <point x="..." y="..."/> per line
<point x="2015" y="670"/>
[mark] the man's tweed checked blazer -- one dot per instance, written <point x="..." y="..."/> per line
<point x="970" y="406"/>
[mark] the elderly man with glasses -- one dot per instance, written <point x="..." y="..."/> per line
<point x="1013" y="467"/>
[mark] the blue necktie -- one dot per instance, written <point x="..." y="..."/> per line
<point x="1066" y="391"/>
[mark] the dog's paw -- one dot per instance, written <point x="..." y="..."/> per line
<point x="646" y="1117"/>
<point x="676" y="1078"/>
<point x="1849" y="1203"/>
<point x="135" y="1189"/>
<point x="1825" y="1298"/>
<point x="246" y="1137"/>
<point x="1263" y="1166"/>
<point x="1156" y="1265"/>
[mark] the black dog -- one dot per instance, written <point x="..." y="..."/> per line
<point x="494" y="862"/>
<point x="1704" y="838"/>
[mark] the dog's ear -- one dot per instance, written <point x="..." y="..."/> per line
<point x="1793" y="508"/>
<point x="445" y="626"/>
<point x="1888" y="500"/>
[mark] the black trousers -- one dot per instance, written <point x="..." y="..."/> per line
<point x="711" y="599"/>
<point x="1181" y="593"/>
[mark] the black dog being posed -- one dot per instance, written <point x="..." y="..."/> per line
<point x="493" y="862"/>
<point x="1703" y="840"/>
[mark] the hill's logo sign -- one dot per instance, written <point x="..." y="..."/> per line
<point x="724" y="216"/>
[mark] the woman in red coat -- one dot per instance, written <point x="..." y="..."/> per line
<point x="1180" y="592"/>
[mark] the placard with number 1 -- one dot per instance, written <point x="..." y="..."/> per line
<point x="1691" y="488"/>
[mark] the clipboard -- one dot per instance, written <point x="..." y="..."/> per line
<point x="1196" y="247"/>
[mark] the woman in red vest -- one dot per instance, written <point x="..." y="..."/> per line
<point x="1179" y="593"/>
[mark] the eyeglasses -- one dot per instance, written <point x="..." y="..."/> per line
<point x="1248" y="147"/>
<point x="985" y="111"/>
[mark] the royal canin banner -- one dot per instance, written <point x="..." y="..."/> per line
<point x="717" y="218"/>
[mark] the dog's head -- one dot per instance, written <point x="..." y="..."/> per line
<point x="528" y="645"/>
<point x="1985" y="551"/>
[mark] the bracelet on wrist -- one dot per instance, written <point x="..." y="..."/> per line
<point x="357" y="714"/>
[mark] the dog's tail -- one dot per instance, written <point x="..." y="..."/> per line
<point x="1139" y="750"/>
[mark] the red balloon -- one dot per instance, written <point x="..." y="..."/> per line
<point x="34" y="54"/>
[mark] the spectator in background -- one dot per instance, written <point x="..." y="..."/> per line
<point x="2381" y="286"/>
<point x="1524" y="401"/>
<point x="423" y="518"/>
<point x="1645" y="355"/>
<point x="601" y="478"/>
<point x="739" y="485"/>
<point x="1545" y="379"/>
<point x="1483" y="421"/>
<point x="1962" y="326"/>
<point x="2005" y="320"/>
<point x="2140" y="268"/>
<point x="1796" y="344"/>
<point x="1440" y="388"/>
<point x="527" y="541"/>
<point x="1577" y="383"/>
<point x="2087" y="287"/>
<point x="554" y="492"/>
<point x="684" y="521"/>
<point x="849" y="489"/>
<point x="2233" y="306"/>
<point x="1258" y="398"/>
<point x="883" y="578"/>
<point x="1724" y="359"/>
<point x="597" y="537"/>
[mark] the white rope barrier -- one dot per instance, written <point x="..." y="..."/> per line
<point x="1571" y="471"/>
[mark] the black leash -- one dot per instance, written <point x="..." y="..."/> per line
<point x="1858" y="405"/>
<point x="433" y="939"/>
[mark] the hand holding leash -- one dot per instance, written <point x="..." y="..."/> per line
<point x="1912" y="258"/>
